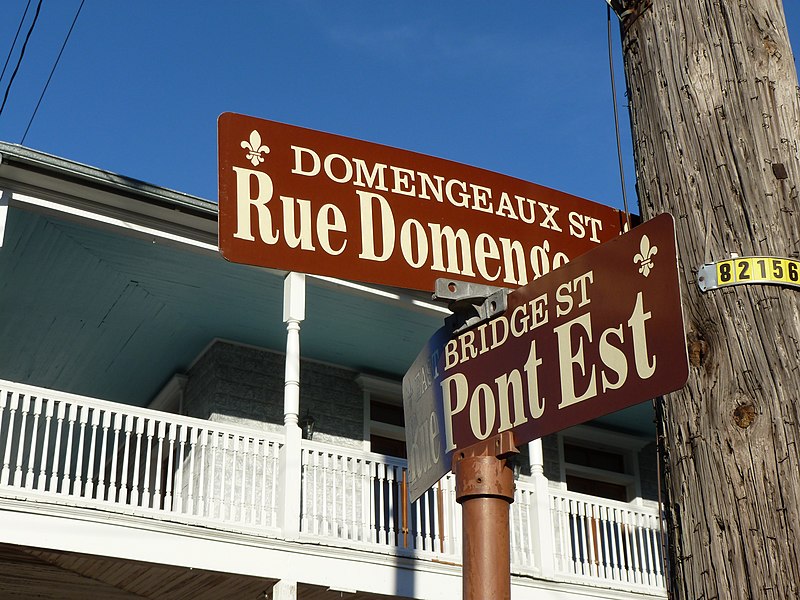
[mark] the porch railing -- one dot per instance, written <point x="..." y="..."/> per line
<point x="70" y="449"/>
<point x="363" y="497"/>
<point x="603" y="539"/>
<point x="91" y="451"/>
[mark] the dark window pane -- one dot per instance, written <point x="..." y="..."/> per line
<point x="602" y="489"/>
<point x="597" y="459"/>
<point x="387" y="446"/>
<point x="386" y="413"/>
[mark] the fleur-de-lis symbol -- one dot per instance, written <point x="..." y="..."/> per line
<point x="645" y="256"/>
<point x="255" y="149"/>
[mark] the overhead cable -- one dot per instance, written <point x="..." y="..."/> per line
<point x="47" y="83"/>
<point x="16" y="37"/>
<point x="616" y="120"/>
<point x="21" y="55"/>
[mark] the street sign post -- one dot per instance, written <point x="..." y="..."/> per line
<point x="300" y="200"/>
<point x="597" y="335"/>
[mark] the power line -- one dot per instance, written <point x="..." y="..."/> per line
<point x="21" y="54"/>
<point x="616" y="119"/>
<point x="16" y="37"/>
<point x="53" y="70"/>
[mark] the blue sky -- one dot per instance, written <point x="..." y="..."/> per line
<point x="521" y="88"/>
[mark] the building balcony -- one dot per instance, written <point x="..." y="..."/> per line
<point x="71" y="455"/>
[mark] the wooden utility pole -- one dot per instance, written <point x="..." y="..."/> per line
<point x="715" y="116"/>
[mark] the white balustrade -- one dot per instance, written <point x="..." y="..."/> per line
<point x="89" y="451"/>
<point x="602" y="539"/>
<point x="363" y="498"/>
<point x="70" y="449"/>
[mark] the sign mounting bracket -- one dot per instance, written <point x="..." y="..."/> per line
<point x="471" y="303"/>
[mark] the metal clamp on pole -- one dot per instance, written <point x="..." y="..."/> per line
<point x="471" y="303"/>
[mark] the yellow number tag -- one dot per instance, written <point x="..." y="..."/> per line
<point x="725" y="273"/>
<point x="744" y="269"/>
<point x="751" y="269"/>
<point x="779" y="269"/>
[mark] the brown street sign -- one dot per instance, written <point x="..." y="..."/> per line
<point x="296" y="199"/>
<point x="597" y="335"/>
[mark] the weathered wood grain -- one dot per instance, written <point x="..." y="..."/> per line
<point x="716" y="130"/>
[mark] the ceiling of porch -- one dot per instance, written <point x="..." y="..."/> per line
<point x="89" y="311"/>
<point x="27" y="572"/>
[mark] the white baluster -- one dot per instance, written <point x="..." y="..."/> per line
<point x="222" y="510"/>
<point x="54" y="479"/>
<point x="355" y="479"/>
<point x="352" y="527"/>
<point x="138" y="431"/>
<point x="26" y="405"/>
<point x="190" y="484"/>
<point x="334" y="497"/>
<point x="12" y="405"/>
<point x="116" y="449"/>
<point x="177" y="505"/>
<point x="315" y="496"/>
<point x="514" y="517"/>
<point x="591" y="537"/>
<point x="614" y="554"/>
<point x="655" y="528"/>
<point x="158" y="499"/>
<point x="30" y="474"/>
<point x="170" y="475"/>
<point x="367" y="519"/>
<point x="243" y="484"/>
<point x="380" y="479"/>
<point x="148" y="448"/>
<point x="253" y="477"/>
<point x="324" y="505"/>
<point x="101" y="486"/>
<point x="275" y="452"/>
<point x="579" y="545"/>
<point x="265" y="446"/>
<point x="234" y="467"/>
<point x="605" y="566"/>
<point x="640" y="553"/>
<point x="439" y="521"/>
<point x="418" y="529"/>
<point x="394" y="530"/>
<point x="201" y="496"/>
<point x="91" y="475"/>
<point x="127" y="426"/>
<point x="242" y="494"/>
<point x="82" y="419"/>
<point x="66" y="480"/>
<point x="4" y="394"/>
<point x="213" y="502"/>
<point x="41" y="483"/>
<point x="628" y="542"/>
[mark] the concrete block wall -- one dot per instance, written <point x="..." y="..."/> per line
<point x="244" y="385"/>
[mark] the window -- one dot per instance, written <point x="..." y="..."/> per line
<point x="384" y="423"/>
<point x="387" y="432"/>
<point x="601" y="463"/>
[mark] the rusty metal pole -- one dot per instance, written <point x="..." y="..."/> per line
<point x="485" y="490"/>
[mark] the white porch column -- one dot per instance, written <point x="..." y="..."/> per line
<point x="4" y="195"/>
<point x="542" y="521"/>
<point x="284" y="590"/>
<point x="294" y="311"/>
